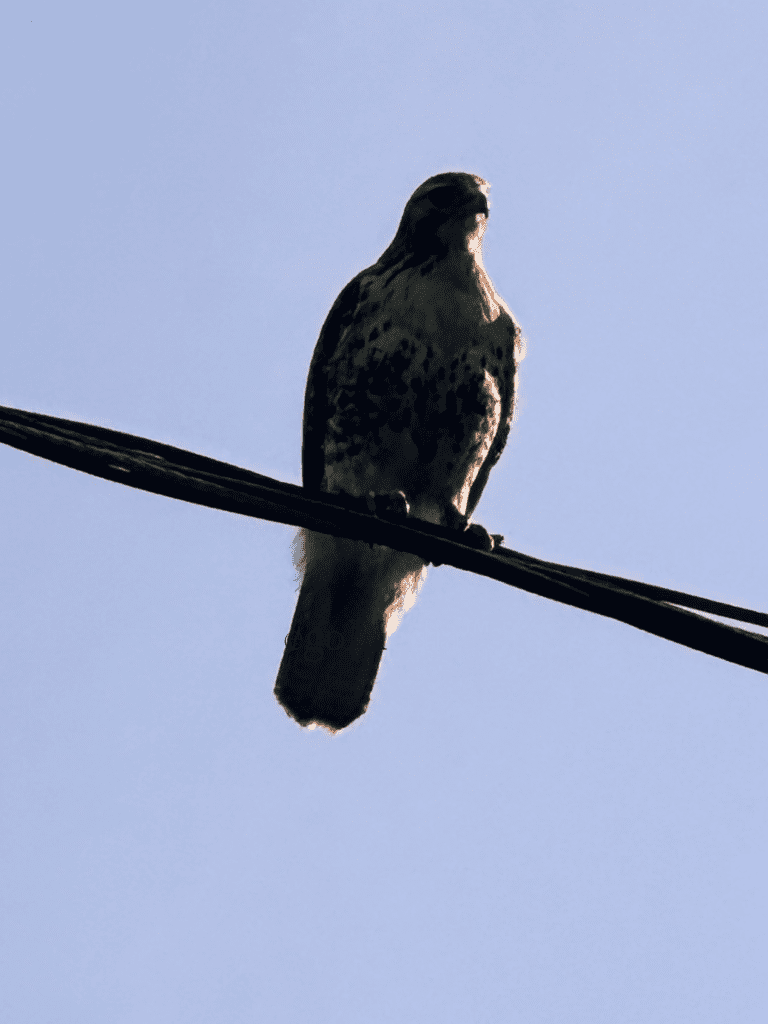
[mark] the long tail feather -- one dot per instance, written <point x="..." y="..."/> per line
<point x="352" y="597"/>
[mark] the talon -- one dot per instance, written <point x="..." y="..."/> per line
<point x="391" y="504"/>
<point x="394" y="504"/>
<point x="479" y="537"/>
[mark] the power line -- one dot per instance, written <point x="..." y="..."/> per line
<point x="163" y="469"/>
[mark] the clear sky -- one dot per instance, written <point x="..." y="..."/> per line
<point x="545" y="816"/>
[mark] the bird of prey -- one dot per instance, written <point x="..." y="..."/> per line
<point x="408" y="406"/>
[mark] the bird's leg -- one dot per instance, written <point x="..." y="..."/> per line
<point x="389" y="505"/>
<point x="454" y="519"/>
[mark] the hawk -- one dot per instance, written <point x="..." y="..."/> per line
<point x="409" y="404"/>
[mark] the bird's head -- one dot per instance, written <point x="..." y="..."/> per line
<point x="447" y="211"/>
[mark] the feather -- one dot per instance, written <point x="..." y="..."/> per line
<point x="410" y="390"/>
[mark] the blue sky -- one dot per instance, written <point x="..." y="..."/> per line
<point x="545" y="815"/>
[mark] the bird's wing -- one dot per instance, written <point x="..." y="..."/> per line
<point x="317" y="412"/>
<point x="507" y="390"/>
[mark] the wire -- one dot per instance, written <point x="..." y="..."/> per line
<point x="176" y="473"/>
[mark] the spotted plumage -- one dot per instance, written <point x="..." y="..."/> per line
<point x="411" y="389"/>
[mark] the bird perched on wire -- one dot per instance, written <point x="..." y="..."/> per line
<point x="408" y="406"/>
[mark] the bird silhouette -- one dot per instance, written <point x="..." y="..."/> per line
<point x="408" y="406"/>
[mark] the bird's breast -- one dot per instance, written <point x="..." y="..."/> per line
<point x="449" y="310"/>
<point x="415" y="385"/>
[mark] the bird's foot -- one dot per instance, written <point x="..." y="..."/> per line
<point x="478" y="537"/>
<point x="484" y="540"/>
<point x="393" y="505"/>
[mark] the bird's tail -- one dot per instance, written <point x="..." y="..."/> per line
<point x="352" y="598"/>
